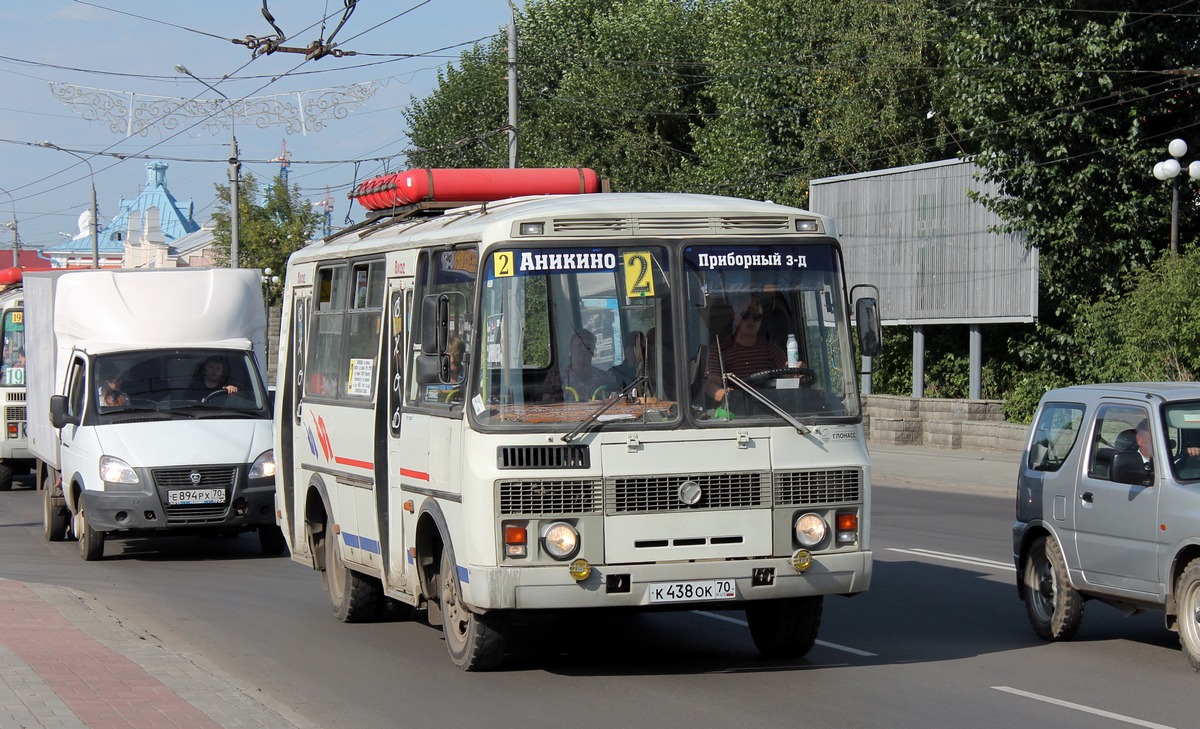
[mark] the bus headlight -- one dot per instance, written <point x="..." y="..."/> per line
<point x="560" y="540"/>
<point x="114" y="470"/>
<point x="264" y="465"/>
<point x="810" y="530"/>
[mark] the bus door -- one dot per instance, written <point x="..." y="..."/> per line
<point x="392" y="512"/>
<point x="431" y="444"/>
<point x="291" y="422"/>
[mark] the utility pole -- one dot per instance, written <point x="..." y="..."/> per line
<point x="512" y="86"/>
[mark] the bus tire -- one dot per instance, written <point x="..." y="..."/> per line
<point x="473" y="641"/>
<point x="55" y="518"/>
<point x="785" y="628"/>
<point x="270" y="539"/>
<point x="1187" y="600"/>
<point x="1055" y="608"/>
<point x="355" y="597"/>
<point x="6" y="477"/>
<point x="91" y="542"/>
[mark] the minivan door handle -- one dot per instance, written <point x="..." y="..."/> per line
<point x="1086" y="497"/>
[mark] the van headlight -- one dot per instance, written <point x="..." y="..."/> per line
<point x="114" y="470"/>
<point x="264" y="465"/>
<point x="560" y="540"/>
<point x="810" y="530"/>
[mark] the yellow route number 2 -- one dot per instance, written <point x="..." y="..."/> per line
<point x="503" y="261"/>
<point x="639" y="277"/>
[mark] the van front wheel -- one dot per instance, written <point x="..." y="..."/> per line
<point x="1187" y="600"/>
<point x="91" y="542"/>
<point x="1055" y="608"/>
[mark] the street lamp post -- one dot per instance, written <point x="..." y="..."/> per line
<point x="95" y="225"/>
<point x="12" y="225"/>
<point x="234" y="167"/>
<point x="1169" y="169"/>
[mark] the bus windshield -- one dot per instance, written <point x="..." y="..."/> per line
<point x="768" y="334"/>
<point x="607" y="334"/>
<point x="565" y="331"/>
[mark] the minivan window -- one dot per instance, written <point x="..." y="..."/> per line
<point x="1115" y="432"/>
<point x="1055" y="434"/>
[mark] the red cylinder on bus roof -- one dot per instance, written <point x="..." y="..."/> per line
<point x="472" y="185"/>
<point x="10" y="275"/>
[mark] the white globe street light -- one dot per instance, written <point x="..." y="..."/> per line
<point x="1169" y="169"/>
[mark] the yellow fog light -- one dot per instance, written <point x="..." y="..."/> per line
<point x="801" y="559"/>
<point x="580" y="569"/>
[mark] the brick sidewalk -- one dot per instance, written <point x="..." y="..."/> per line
<point x="66" y="661"/>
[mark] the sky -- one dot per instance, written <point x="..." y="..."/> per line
<point x="70" y="69"/>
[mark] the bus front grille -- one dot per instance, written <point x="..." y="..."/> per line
<point x="640" y="494"/>
<point x="804" y="488"/>
<point x="546" y="496"/>
<point x="14" y="413"/>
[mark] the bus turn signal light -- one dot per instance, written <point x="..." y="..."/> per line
<point x="847" y="528"/>
<point x="516" y="540"/>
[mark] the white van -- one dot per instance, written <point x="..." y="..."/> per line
<point x="151" y="414"/>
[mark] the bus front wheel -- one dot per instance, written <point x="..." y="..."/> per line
<point x="785" y="628"/>
<point x="474" y="641"/>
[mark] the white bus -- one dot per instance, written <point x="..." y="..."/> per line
<point x="542" y="403"/>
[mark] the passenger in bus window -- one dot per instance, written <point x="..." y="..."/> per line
<point x="744" y="352"/>
<point x="580" y="380"/>
<point x="633" y="363"/>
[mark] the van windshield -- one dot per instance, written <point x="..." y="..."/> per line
<point x="177" y="383"/>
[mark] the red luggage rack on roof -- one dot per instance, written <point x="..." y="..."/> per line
<point x="402" y="194"/>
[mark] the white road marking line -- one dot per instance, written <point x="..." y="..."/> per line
<point x="823" y="644"/>
<point x="1081" y="707"/>
<point x="977" y="561"/>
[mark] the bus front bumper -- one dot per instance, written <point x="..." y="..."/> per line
<point x="664" y="585"/>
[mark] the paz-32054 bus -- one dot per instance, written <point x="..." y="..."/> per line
<point x="573" y="401"/>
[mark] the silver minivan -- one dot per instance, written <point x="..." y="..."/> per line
<point x="1108" y="507"/>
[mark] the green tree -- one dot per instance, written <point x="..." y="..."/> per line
<point x="813" y="88"/>
<point x="1068" y="108"/>
<point x="268" y="231"/>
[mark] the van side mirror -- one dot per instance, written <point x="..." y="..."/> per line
<point x="59" y="413"/>
<point x="870" y="332"/>
<point x="1129" y="468"/>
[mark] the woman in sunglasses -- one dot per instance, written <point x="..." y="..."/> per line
<point x="745" y="352"/>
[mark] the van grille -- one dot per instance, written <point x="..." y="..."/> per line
<point x="181" y="478"/>
<point x="541" y="497"/>
<point x="803" y="488"/>
<point x="636" y="494"/>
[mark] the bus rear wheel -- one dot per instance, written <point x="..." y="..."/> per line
<point x="785" y="628"/>
<point x="355" y="597"/>
<point x="474" y="641"/>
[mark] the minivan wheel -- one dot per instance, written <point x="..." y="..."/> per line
<point x="1187" y="599"/>
<point x="1055" y="608"/>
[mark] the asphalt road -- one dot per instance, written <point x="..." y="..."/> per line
<point x="940" y="640"/>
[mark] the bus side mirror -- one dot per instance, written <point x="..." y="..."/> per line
<point x="435" y="323"/>
<point x="870" y="333"/>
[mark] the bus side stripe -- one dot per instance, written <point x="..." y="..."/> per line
<point x="418" y="475"/>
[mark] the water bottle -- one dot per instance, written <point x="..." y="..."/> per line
<point x="793" y="351"/>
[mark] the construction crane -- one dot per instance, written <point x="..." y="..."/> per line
<point x="285" y="160"/>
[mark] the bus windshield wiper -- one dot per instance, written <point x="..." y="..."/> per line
<point x="801" y="428"/>
<point x="594" y="417"/>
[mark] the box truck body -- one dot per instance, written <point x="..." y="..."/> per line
<point x="150" y="412"/>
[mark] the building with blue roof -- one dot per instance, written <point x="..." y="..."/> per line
<point x="138" y="236"/>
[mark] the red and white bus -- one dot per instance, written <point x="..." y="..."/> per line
<point x="491" y="405"/>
